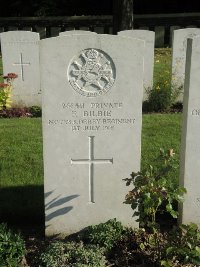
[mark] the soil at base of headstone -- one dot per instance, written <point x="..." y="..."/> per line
<point x="124" y="254"/>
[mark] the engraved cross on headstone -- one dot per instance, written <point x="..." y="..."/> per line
<point x="22" y="64"/>
<point x="91" y="161"/>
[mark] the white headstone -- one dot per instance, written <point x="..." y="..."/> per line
<point x="92" y="116"/>
<point x="20" y="54"/>
<point x="190" y="148"/>
<point x="172" y="29"/>
<point x="149" y="38"/>
<point x="179" y="41"/>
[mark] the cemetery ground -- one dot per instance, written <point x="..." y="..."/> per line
<point x="21" y="173"/>
<point x="22" y="205"/>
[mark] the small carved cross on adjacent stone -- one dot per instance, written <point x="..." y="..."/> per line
<point x="91" y="161"/>
<point x="22" y="64"/>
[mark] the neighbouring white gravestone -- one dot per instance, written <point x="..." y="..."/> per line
<point x="20" y="54"/>
<point x="172" y="29"/>
<point x="92" y="116"/>
<point x="190" y="149"/>
<point x="179" y="46"/>
<point x="66" y="33"/>
<point x="149" y="38"/>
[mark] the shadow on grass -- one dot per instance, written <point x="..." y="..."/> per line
<point x="22" y="205"/>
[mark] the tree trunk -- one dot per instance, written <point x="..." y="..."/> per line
<point x="122" y="15"/>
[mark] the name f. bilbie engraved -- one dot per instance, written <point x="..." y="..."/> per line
<point x="22" y="64"/>
<point x="91" y="161"/>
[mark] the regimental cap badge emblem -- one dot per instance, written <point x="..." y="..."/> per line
<point x="92" y="73"/>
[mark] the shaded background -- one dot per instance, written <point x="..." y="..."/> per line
<point x="91" y="7"/>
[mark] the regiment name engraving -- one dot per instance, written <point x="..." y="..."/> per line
<point x="92" y="116"/>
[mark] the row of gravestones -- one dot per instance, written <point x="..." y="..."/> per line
<point x="20" y="54"/>
<point x="92" y="89"/>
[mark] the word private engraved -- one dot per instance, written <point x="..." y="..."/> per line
<point x="92" y="73"/>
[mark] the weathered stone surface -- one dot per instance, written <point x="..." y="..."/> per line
<point x="149" y="38"/>
<point x="190" y="147"/>
<point x="20" y="54"/>
<point x="179" y="46"/>
<point x="92" y="116"/>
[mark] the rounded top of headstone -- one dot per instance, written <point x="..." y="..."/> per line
<point x="20" y="36"/>
<point x="137" y="33"/>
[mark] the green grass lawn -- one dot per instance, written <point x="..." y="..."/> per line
<point x="21" y="164"/>
<point x="160" y="131"/>
<point x="21" y="170"/>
